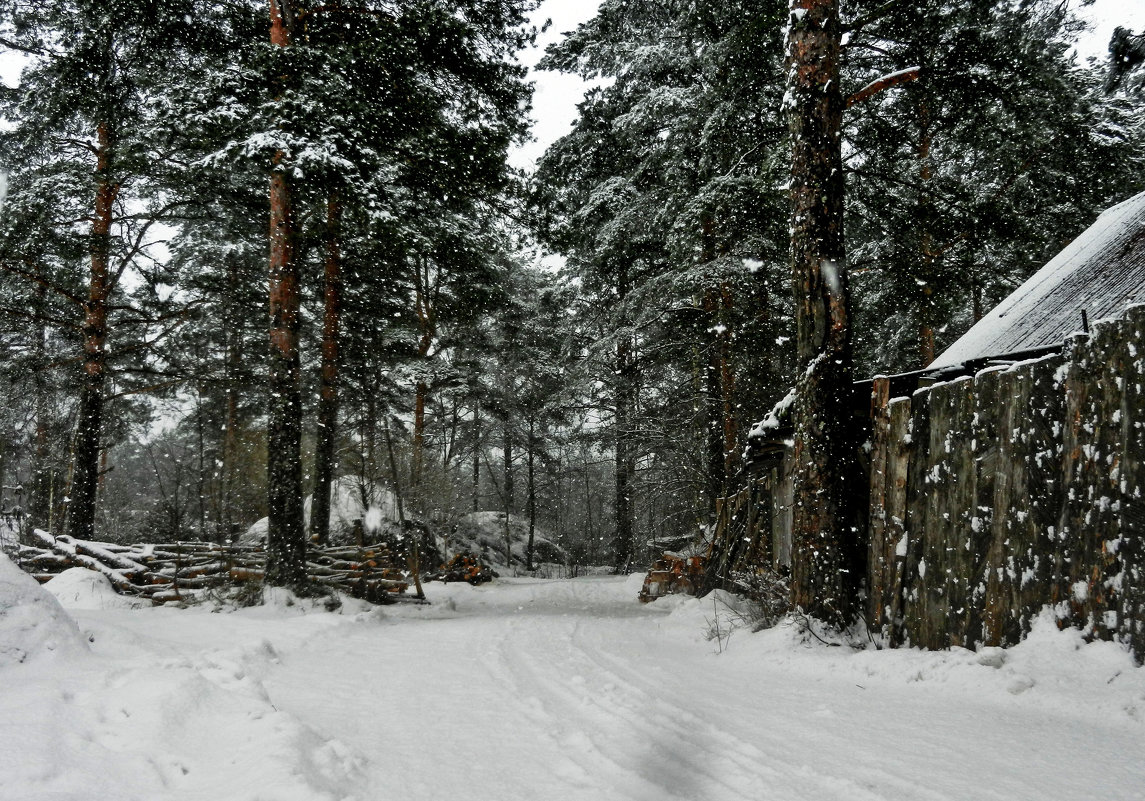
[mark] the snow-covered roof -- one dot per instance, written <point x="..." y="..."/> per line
<point x="1100" y="272"/>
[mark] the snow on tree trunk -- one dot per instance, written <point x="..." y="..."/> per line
<point x="824" y="450"/>
<point x="85" y="471"/>
<point x="326" y="437"/>
<point x="286" y="538"/>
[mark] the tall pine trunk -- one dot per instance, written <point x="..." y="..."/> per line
<point x="713" y="376"/>
<point x="928" y="312"/>
<point x="719" y="384"/>
<point x="39" y="504"/>
<point x="286" y="539"/>
<point x="85" y="467"/>
<point x="507" y="445"/>
<point x="233" y="361"/>
<point x="531" y="492"/>
<point x="327" y="434"/>
<point x="476" y="474"/>
<point x="625" y="461"/>
<point x="427" y="329"/>
<point x="822" y="528"/>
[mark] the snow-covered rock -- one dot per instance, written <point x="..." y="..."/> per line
<point x="351" y="501"/>
<point x="32" y="622"/>
<point x="483" y="534"/>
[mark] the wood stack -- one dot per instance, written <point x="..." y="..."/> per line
<point x="165" y="572"/>
<point x="673" y="574"/>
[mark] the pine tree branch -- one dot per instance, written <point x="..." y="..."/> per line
<point x="884" y="83"/>
<point x="29" y="49"/>
<point x="138" y="244"/>
<point x="148" y="389"/>
<point x="8" y="267"/>
<point x="80" y="143"/>
<point x="874" y="16"/>
<point x="39" y="318"/>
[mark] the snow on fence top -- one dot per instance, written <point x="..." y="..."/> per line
<point x="1100" y="272"/>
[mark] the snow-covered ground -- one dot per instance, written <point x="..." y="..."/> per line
<point x="530" y="689"/>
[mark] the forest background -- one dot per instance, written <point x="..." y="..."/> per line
<point x="422" y="341"/>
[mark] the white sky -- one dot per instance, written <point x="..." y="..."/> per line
<point x="1105" y="15"/>
<point x="556" y="95"/>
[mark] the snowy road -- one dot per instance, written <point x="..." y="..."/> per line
<point x="566" y="690"/>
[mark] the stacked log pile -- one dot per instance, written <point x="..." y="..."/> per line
<point x="463" y="567"/>
<point x="165" y="572"/>
<point x="673" y="574"/>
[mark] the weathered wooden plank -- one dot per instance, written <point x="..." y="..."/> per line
<point x="899" y="453"/>
<point x="948" y="483"/>
<point x="880" y="569"/>
<point x="986" y="446"/>
<point x="1027" y="496"/>
<point x="914" y="581"/>
<point x="1071" y="558"/>
<point x="957" y="490"/>
<point x="1089" y="518"/>
<point x="759" y="524"/>
<point x="1042" y="453"/>
<point x="1131" y="488"/>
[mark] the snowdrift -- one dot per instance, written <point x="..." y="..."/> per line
<point x="80" y="588"/>
<point x="32" y="622"/>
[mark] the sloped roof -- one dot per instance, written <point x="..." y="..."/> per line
<point x="1100" y="272"/>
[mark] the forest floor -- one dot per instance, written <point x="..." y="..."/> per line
<point x="531" y="689"/>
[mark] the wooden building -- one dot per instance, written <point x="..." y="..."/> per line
<point x="987" y="439"/>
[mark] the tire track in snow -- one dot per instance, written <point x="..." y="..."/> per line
<point x="652" y="748"/>
<point x="772" y="764"/>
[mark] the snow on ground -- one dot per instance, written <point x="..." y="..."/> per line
<point x="532" y="689"/>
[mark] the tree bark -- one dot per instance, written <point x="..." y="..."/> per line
<point x="822" y="528"/>
<point x="233" y="360"/>
<point x="426" y="300"/>
<point x="507" y="446"/>
<point x="286" y="539"/>
<point x="39" y="503"/>
<point x="326" y="436"/>
<point x="625" y="463"/>
<point x="719" y="385"/>
<point x="85" y="467"/>
<point x="476" y="476"/>
<point x="413" y="559"/>
<point x="531" y="493"/>
<point x="713" y="377"/>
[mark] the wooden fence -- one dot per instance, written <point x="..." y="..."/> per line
<point x="1019" y="488"/>
<point x="992" y="497"/>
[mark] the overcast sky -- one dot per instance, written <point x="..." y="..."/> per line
<point x="556" y="94"/>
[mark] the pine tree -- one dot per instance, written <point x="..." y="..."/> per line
<point x="89" y="92"/>
<point x="965" y="178"/>
<point x="664" y="198"/>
